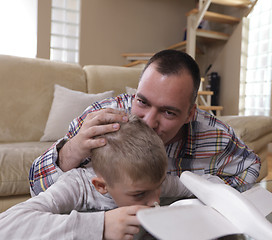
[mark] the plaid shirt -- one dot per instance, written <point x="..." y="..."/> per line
<point x="211" y="147"/>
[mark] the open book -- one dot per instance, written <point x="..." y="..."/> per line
<point x="219" y="210"/>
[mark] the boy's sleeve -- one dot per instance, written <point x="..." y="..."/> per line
<point x="54" y="214"/>
<point x="173" y="187"/>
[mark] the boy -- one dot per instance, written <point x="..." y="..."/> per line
<point x="128" y="170"/>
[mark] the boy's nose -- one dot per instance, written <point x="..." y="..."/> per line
<point x="155" y="198"/>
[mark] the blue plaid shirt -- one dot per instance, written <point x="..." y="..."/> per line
<point x="211" y="147"/>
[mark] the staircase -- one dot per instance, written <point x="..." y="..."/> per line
<point x="195" y="16"/>
<point x="197" y="38"/>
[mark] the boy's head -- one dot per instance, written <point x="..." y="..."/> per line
<point x="132" y="165"/>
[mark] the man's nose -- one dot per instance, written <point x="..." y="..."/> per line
<point x="151" y="118"/>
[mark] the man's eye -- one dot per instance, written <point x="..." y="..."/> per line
<point x="169" y="114"/>
<point x="141" y="102"/>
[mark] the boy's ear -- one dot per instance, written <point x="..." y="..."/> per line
<point x="100" y="185"/>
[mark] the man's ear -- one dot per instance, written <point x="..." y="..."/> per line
<point x="191" y="114"/>
<point x="100" y="185"/>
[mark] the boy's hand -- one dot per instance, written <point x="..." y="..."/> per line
<point x="79" y="147"/>
<point x="121" y="223"/>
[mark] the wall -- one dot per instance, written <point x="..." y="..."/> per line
<point x="225" y="59"/>
<point x="44" y="29"/>
<point x="110" y="28"/>
<point x="227" y="64"/>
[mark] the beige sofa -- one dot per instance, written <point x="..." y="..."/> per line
<point x="26" y="96"/>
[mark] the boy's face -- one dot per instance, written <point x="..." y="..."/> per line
<point x="141" y="192"/>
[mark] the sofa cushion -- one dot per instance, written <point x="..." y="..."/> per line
<point x="130" y="90"/>
<point x="111" y="78"/>
<point x="249" y="128"/>
<point x="260" y="143"/>
<point x="67" y="105"/>
<point x="27" y="87"/>
<point x="9" y="201"/>
<point x="15" y="162"/>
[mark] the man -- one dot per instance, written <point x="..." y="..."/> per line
<point x="165" y="100"/>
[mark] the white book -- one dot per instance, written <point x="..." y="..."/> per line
<point x="219" y="210"/>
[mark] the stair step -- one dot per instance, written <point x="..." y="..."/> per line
<point x="180" y="46"/>
<point x="233" y="3"/>
<point x="207" y="93"/>
<point x="137" y="56"/>
<point x="211" y="108"/>
<point x="211" y="34"/>
<point x="216" y="17"/>
<point x="135" y="63"/>
<point x="201" y="33"/>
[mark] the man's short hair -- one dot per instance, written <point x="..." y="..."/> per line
<point x="134" y="152"/>
<point x="174" y="62"/>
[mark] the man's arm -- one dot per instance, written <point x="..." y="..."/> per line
<point x="76" y="146"/>
<point x="234" y="161"/>
<point x="238" y="164"/>
<point x="220" y="152"/>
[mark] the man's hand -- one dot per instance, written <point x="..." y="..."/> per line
<point x="79" y="147"/>
<point x="121" y="223"/>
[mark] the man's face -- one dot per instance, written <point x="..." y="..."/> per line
<point x="127" y="193"/>
<point x="163" y="102"/>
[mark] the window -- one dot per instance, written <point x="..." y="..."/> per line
<point x="18" y="24"/>
<point x="65" y="30"/>
<point x="256" y="62"/>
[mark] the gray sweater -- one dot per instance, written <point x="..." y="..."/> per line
<point x="70" y="209"/>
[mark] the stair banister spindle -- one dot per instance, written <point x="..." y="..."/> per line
<point x="191" y="36"/>
<point x="192" y="24"/>
<point x="202" y="10"/>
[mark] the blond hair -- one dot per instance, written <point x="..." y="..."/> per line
<point x="135" y="151"/>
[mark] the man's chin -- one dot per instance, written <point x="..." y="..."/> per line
<point x="166" y="140"/>
<point x="162" y="137"/>
<point x="172" y="140"/>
